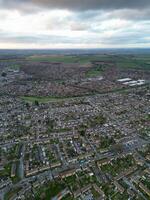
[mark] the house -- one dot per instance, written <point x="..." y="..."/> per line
<point x="119" y="187"/>
<point x="13" y="170"/>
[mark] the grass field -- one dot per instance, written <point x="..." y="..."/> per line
<point x="69" y="59"/>
<point x="15" y="67"/>
<point x="136" y="62"/>
<point x="94" y="72"/>
<point x="122" y="61"/>
<point x="133" y="64"/>
<point x="45" y="99"/>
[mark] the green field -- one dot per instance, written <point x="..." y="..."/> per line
<point x="121" y="61"/>
<point x="135" y="62"/>
<point x="15" y="66"/>
<point x="48" y="191"/>
<point x="69" y="59"/>
<point x="118" y="165"/>
<point x="45" y="99"/>
<point x="94" y="72"/>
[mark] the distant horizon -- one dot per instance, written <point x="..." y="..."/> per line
<point x="104" y="48"/>
<point x="49" y="52"/>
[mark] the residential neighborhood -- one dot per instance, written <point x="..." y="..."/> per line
<point x="85" y="143"/>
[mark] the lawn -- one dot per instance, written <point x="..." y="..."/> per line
<point x="108" y="189"/>
<point x="119" y="196"/>
<point x="72" y="182"/>
<point x="118" y="165"/>
<point x="94" y="72"/>
<point x="146" y="182"/>
<point x="68" y="197"/>
<point x="95" y="193"/>
<point x="6" y="171"/>
<point x="48" y="191"/>
<point x="11" y="193"/>
<point x="17" y="178"/>
<point x="41" y="99"/>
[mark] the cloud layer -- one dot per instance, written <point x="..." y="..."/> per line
<point x="74" y="23"/>
<point x="78" y="4"/>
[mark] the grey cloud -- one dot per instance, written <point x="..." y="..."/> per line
<point x="77" y="4"/>
<point x="127" y="37"/>
<point x="122" y="38"/>
<point x="126" y="40"/>
<point x="79" y="27"/>
<point x="39" y="39"/>
<point x="130" y="14"/>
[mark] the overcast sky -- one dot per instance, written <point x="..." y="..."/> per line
<point x="74" y="23"/>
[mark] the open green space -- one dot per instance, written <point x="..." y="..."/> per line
<point x="95" y="193"/>
<point x="106" y="141"/>
<point x="118" y="165"/>
<point x="6" y="171"/>
<point x="42" y="99"/>
<point x="17" y="178"/>
<point x="15" y="66"/>
<point x="119" y="196"/>
<point x="72" y="182"/>
<point x="146" y="182"/>
<point x="33" y="99"/>
<point x="134" y="62"/>
<point x="122" y="61"/>
<point x="94" y="72"/>
<point x="70" y="59"/>
<point x="129" y="64"/>
<point x="12" y="153"/>
<point x="48" y="191"/>
<point x="108" y="189"/>
<point x="97" y="120"/>
<point x="11" y="193"/>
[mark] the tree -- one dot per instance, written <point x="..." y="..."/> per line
<point x="36" y="103"/>
<point x="82" y="129"/>
<point x="118" y="148"/>
<point x="27" y="105"/>
<point x="4" y="74"/>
